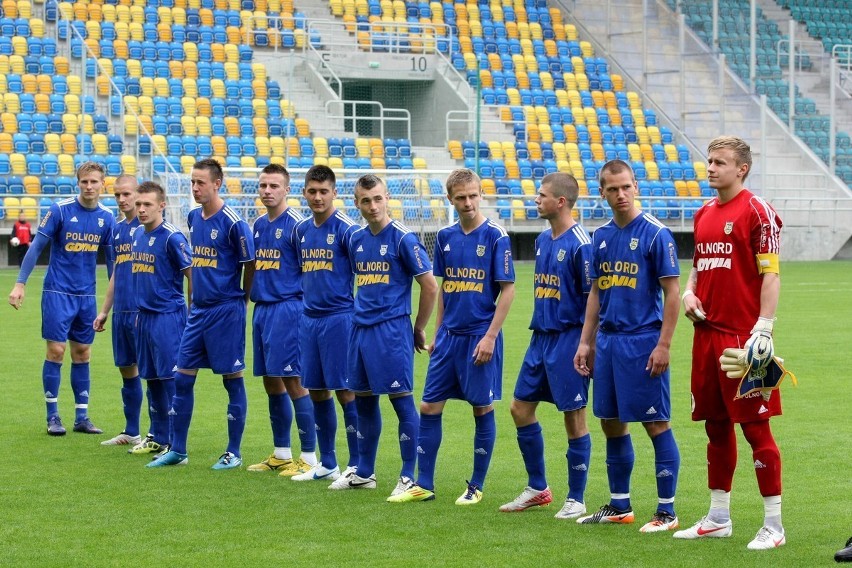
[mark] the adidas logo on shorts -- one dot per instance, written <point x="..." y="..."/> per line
<point x="420" y="450"/>
<point x="759" y="464"/>
<point x="395" y="385"/>
<point x="288" y="369"/>
<point x="651" y="410"/>
<point x="578" y="398"/>
<point x="349" y="429"/>
<point x="404" y="438"/>
<point x="762" y="409"/>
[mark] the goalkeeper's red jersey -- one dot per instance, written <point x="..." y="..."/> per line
<point x="727" y="238"/>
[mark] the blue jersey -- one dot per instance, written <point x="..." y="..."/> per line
<point x="628" y="264"/>
<point x="277" y="270"/>
<point x="220" y="245"/>
<point x="327" y="278"/>
<point x="159" y="259"/>
<point x="75" y="233"/>
<point x="562" y="279"/>
<point x="472" y="267"/>
<point x="122" y="241"/>
<point x="384" y="266"/>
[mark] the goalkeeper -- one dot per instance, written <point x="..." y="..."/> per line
<point x="731" y="295"/>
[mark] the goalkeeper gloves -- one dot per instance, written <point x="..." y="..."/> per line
<point x="759" y="348"/>
<point x="733" y="362"/>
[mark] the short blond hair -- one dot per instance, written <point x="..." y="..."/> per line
<point x="89" y="167"/>
<point x="462" y="176"/>
<point x="742" y="151"/>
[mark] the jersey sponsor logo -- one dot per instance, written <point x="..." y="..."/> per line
<point x="712" y="263"/>
<point x="416" y="251"/>
<point x="367" y="279"/>
<point x="44" y="220"/>
<point x="315" y="265"/>
<point x="716" y="247"/>
<point x="214" y="233"/>
<point x="560" y="256"/>
<point x="729" y="227"/>
<point x="672" y="255"/>
<point x="204" y="257"/>
<point x="329" y="238"/>
<point x="480" y="250"/>
<point x="618" y="273"/>
<point x="278" y="233"/>
<point x="383" y="250"/>
<point x="266" y="259"/>
<point x="81" y="247"/>
<point x="141" y="267"/>
<point x="244" y="247"/>
<point x="634" y="243"/>
<point x="547" y="293"/>
<point x="507" y="261"/>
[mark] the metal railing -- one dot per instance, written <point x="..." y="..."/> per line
<point x="350" y="110"/>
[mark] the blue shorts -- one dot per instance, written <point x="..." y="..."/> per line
<point x="381" y="357"/>
<point x="452" y="374"/>
<point x="275" y="337"/>
<point x="546" y="374"/>
<point x="158" y="339"/>
<point x="124" y="338"/>
<point x="323" y="344"/>
<point x="65" y="317"/>
<point x="623" y="389"/>
<point x="215" y="338"/>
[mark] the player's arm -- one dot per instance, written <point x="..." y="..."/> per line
<point x="16" y="296"/>
<point x="248" y="278"/>
<point x="584" y="358"/>
<point x="187" y="273"/>
<point x="109" y="298"/>
<point x="428" y="294"/>
<point x="693" y="309"/>
<point x="439" y="317"/>
<point x="484" y="350"/>
<point x="661" y="355"/>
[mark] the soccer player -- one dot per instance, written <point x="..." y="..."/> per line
<point x="75" y="228"/>
<point x="473" y="258"/>
<point x="386" y="257"/>
<point x="22" y="230"/>
<point x="277" y="293"/>
<point x="631" y="327"/>
<point x="215" y="334"/>
<point x="120" y="295"/>
<point x="161" y="260"/>
<point x="731" y="295"/>
<point x="562" y="284"/>
<point x="324" y="330"/>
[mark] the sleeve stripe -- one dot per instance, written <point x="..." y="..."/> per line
<point x="232" y="215"/>
<point x="500" y="228"/>
<point x="768" y="216"/>
<point x="581" y="235"/>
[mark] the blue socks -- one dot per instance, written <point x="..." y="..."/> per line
<point x="369" y="431"/>
<point x="409" y="425"/>
<point x="428" y="442"/>
<point x="281" y="419"/>
<point x="483" y="447"/>
<point x="350" y="420"/>
<point x="326" y="420"/>
<point x="667" y="463"/>
<point x="237" y="408"/>
<point x="305" y="423"/>
<point x="80" y="384"/>
<point x="158" y="398"/>
<point x="619" y="467"/>
<point x="531" y="443"/>
<point x="181" y="410"/>
<point x="50" y="379"/>
<point x="131" y="396"/>
<point x="579" y="455"/>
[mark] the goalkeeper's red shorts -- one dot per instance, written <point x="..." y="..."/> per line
<point x="713" y="393"/>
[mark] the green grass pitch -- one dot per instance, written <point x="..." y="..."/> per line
<point x="71" y="502"/>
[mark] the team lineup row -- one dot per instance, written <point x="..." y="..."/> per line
<point x="608" y="302"/>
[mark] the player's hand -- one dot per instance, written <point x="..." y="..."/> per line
<point x="584" y="359"/>
<point x="16" y="296"/>
<point x="420" y="340"/>
<point x="759" y="348"/>
<point x="483" y="351"/>
<point x="692" y="307"/>
<point x="733" y="362"/>
<point x="99" y="322"/>
<point x="658" y="362"/>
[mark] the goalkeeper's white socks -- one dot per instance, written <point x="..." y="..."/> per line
<point x="720" y="506"/>
<point x="772" y="513"/>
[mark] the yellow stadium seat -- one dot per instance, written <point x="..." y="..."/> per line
<point x="264" y="148"/>
<point x="13" y="207"/>
<point x="32" y="185"/>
